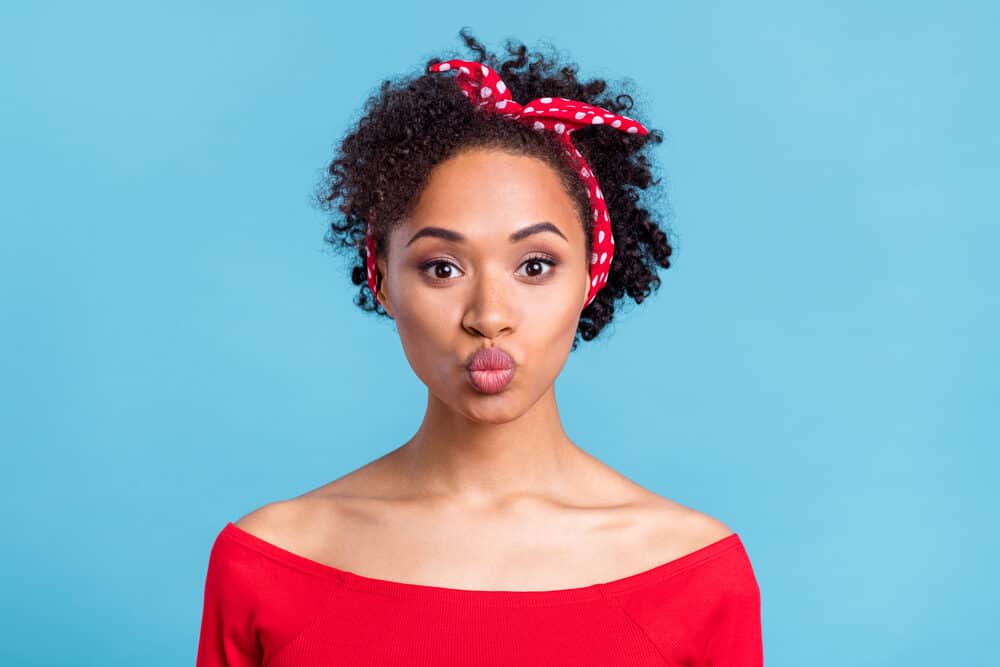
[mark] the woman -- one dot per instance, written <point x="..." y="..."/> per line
<point x="495" y="235"/>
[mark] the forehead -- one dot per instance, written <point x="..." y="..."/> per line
<point x="480" y="185"/>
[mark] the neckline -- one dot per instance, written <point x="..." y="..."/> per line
<point x="401" y="589"/>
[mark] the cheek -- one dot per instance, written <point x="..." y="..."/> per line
<point x="547" y="331"/>
<point x="557" y="315"/>
<point x="428" y="338"/>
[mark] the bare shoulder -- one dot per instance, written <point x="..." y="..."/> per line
<point x="297" y="524"/>
<point x="272" y="520"/>
<point x="663" y="525"/>
<point x="674" y="529"/>
<point x="314" y="521"/>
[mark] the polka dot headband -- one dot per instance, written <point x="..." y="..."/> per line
<point x="484" y="88"/>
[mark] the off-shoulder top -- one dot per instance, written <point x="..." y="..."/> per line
<point x="265" y="605"/>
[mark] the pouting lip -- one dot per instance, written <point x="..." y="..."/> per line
<point x="491" y="381"/>
<point x="489" y="359"/>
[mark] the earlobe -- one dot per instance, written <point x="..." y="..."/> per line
<point x="382" y="297"/>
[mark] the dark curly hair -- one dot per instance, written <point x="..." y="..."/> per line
<point x="419" y="121"/>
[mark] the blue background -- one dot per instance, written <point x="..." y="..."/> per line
<point x="818" y="370"/>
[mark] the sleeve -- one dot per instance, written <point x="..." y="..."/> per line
<point x="228" y="636"/>
<point x="734" y="635"/>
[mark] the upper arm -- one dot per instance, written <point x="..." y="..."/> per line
<point x="227" y="637"/>
<point x="735" y="635"/>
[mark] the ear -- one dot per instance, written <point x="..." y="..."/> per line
<point x="383" y="293"/>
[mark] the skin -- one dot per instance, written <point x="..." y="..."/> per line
<point x="489" y="493"/>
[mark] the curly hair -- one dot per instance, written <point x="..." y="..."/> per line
<point x="418" y="121"/>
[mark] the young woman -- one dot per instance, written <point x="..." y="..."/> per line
<point x="493" y="210"/>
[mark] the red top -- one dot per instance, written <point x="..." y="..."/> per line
<point x="265" y="605"/>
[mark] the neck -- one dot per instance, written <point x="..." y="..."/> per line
<point x="478" y="463"/>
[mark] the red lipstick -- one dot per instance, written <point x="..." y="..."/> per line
<point x="490" y="370"/>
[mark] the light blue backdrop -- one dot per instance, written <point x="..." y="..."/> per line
<point x="819" y="369"/>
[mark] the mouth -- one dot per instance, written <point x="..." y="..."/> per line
<point x="490" y="370"/>
<point x="491" y="382"/>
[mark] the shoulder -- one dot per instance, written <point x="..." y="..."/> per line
<point x="674" y="529"/>
<point x="684" y="530"/>
<point x="295" y="524"/>
<point x="665" y="525"/>
<point x="313" y="522"/>
<point x="268" y="519"/>
<point x="235" y="566"/>
<point x="709" y="610"/>
<point x="701" y="527"/>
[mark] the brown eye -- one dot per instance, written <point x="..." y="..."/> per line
<point x="442" y="269"/>
<point x="535" y="265"/>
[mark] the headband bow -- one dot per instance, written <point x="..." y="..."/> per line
<point x="485" y="89"/>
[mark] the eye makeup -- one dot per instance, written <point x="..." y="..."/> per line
<point x="543" y="258"/>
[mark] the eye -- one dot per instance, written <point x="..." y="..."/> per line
<point x="442" y="263"/>
<point x="537" y="261"/>
<point x="444" y="269"/>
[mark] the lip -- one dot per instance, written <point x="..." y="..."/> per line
<point x="490" y="370"/>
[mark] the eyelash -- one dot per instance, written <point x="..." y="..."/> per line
<point x="544" y="259"/>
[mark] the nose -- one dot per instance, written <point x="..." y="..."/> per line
<point x="489" y="312"/>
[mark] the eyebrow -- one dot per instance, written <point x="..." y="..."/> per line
<point x="523" y="233"/>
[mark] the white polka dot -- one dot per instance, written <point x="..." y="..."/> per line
<point x="609" y="115"/>
<point x="632" y="130"/>
<point x="593" y="260"/>
<point x="501" y="86"/>
<point x="597" y="191"/>
<point x="604" y="256"/>
<point x="578" y="153"/>
<point x="486" y="71"/>
<point x="502" y="103"/>
<point x="444" y="67"/>
<point x="553" y="108"/>
<point x="616" y="123"/>
<point x="579" y="114"/>
<point x="464" y="69"/>
<point x="545" y="100"/>
<point x="606" y="215"/>
<point x="612" y="240"/>
<point x="597" y="120"/>
<point x="584" y="172"/>
<point x="539" y="125"/>
<point x="559" y="128"/>
<point x="595" y="215"/>
<point x="485" y="91"/>
<point x="600" y="236"/>
<point x="593" y="283"/>
<point x="529" y="109"/>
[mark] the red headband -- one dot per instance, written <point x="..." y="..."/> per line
<point x="484" y="87"/>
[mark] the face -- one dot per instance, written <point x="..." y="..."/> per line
<point x="493" y="254"/>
